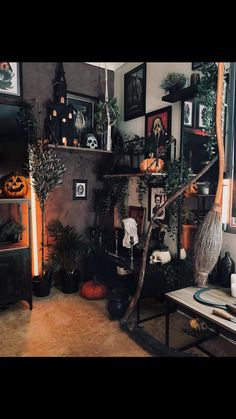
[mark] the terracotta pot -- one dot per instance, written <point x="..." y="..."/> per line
<point x="187" y="237"/>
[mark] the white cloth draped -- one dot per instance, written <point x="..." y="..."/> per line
<point x="130" y="231"/>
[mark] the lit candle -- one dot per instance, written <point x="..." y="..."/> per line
<point x="233" y="289"/>
<point x="233" y="278"/>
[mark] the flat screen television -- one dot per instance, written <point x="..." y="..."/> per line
<point x="13" y="141"/>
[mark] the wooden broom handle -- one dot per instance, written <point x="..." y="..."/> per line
<point x="219" y="136"/>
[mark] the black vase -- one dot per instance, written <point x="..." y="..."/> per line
<point x="42" y="285"/>
<point x="117" y="305"/>
<point x="226" y="268"/>
<point x="69" y="282"/>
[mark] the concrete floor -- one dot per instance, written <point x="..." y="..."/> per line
<point x="69" y="326"/>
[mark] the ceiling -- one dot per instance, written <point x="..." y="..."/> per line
<point x="110" y="66"/>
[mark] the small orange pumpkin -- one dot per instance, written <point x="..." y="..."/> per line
<point x="150" y="165"/>
<point x="15" y="186"/>
<point x="93" y="290"/>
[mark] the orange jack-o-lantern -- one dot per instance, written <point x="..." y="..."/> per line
<point x="151" y="165"/>
<point x="15" y="186"/>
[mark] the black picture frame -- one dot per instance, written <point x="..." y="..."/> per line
<point x="80" y="189"/>
<point x="196" y="65"/>
<point x="86" y="106"/>
<point x="135" y="92"/>
<point x="11" y="80"/>
<point x="201" y="108"/>
<point x="188" y="113"/>
<point x="154" y="193"/>
<point x="165" y="116"/>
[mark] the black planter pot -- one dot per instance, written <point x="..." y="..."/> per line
<point x="42" y="285"/>
<point x="69" y="283"/>
<point x="117" y="305"/>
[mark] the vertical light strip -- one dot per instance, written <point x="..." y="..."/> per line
<point x="34" y="231"/>
<point x="225" y="203"/>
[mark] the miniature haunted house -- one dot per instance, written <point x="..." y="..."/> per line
<point x="60" y="117"/>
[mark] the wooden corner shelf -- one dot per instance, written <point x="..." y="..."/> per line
<point x="183" y="94"/>
<point x="78" y="149"/>
<point x="135" y="175"/>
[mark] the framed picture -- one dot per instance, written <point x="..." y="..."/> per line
<point x="80" y="189"/>
<point x="158" y="132"/>
<point x="156" y="198"/>
<point x="201" y="114"/>
<point x="84" y="108"/>
<point x="188" y="114"/>
<point x="135" y="92"/>
<point x="138" y="213"/>
<point x="10" y="79"/>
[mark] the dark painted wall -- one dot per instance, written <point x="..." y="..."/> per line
<point x="81" y="78"/>
<point x="88" y="80"/>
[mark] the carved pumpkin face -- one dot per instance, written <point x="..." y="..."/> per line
<point x="15" y="186"/>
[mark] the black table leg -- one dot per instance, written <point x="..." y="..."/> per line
<point x="167" y="324"/>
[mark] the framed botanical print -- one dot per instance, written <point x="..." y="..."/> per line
<point x="135" y="93"/>
<point x="10" y="79"/>
<point x="188" y="114"/>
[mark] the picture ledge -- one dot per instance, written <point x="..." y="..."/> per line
<point x="78" y="149"/>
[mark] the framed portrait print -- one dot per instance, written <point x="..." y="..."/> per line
<point x="84" y="107"/>
<point x="201" y="115"/>
<point x="158" y="132"/>
<point x="188" y="114"/>
<point x="11" y="79"/>
<point x="80" y="189"/>
<point x="156" y="198"/>
<point x="135" y="92"/>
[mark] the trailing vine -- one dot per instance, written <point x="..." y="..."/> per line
<point x="112" y="195"/>
<point x="173" y="181"/>
<point x="207" y="88"/>
<point x="145" y="182"/>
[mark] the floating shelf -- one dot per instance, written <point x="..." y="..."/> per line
<point x="78" y="149"/>
<point x="136" y="175"/>
<point x="13" y="200"/>
<point x="183" y="94"/>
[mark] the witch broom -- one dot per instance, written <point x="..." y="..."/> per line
<point x="208" y="239"/>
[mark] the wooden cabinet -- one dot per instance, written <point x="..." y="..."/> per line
<point x="15" y="258"/>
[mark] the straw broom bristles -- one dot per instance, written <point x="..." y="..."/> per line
<point x="208" y="239"/>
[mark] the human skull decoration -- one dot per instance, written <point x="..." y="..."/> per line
<point x="92" y="141"/>
<point x="159" y="256"/>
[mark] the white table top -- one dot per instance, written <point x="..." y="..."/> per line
<point x="185" y="298"/>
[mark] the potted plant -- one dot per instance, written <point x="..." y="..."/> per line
<point x="11" y="231"/>
<point x="173" y="81"/>
<point x="46" y="172"/>
<point x="64" y="254"/>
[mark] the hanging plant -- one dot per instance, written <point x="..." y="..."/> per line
<point x="100" y="115"/>
<point x="173" y="181"/>
<point x="27" y="121"/>
<point x="207" y="89"/>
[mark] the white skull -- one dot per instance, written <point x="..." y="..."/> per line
<point x="92" y="141"/>
<point x="159" y="256"/>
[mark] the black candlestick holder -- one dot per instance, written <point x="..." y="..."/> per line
<point x="131" y="248"/>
